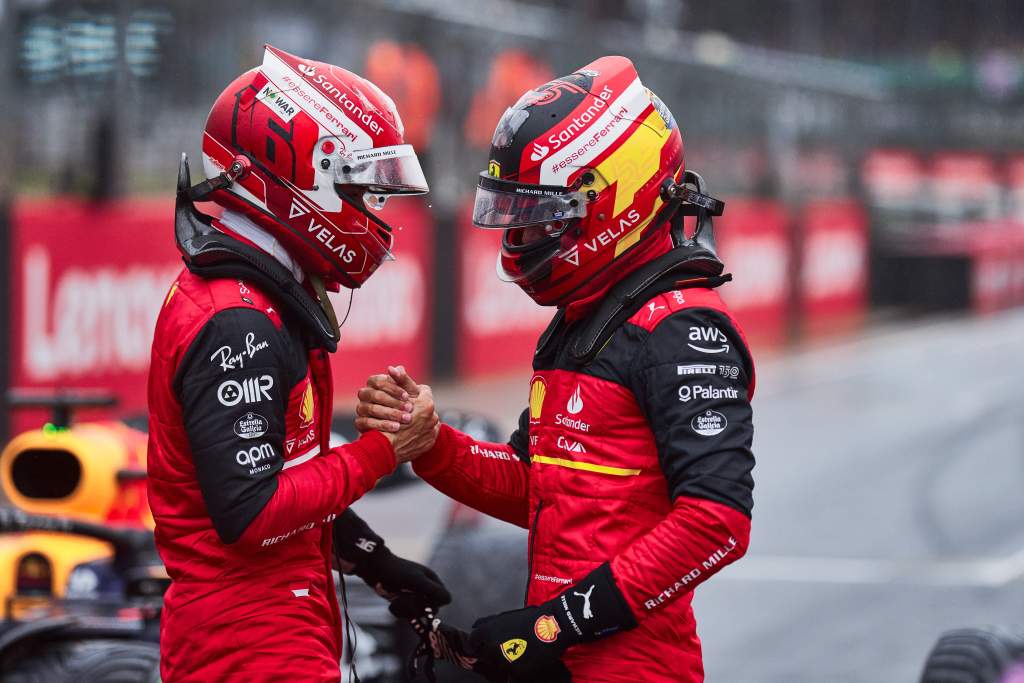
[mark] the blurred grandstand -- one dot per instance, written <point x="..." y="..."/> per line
<point x="866" y="150"/>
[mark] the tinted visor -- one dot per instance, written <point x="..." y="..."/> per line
<point x="502" y="204"/>
<point x="387" y="170"/>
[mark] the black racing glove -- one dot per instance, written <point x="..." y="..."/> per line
<point x="528" y="644"/>
<point x="407" y="585"/>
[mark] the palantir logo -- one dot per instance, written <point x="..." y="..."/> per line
<point x="575" y="403"/>
<point x="307" y="69"/>
<point x="539" y="151"/>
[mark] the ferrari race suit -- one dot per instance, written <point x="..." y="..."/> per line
<point x="243" y="483"/>
<point x="635" y="451"/>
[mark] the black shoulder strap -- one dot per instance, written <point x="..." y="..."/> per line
<point x="683" y="267"/>
<point x="210" y="253"/>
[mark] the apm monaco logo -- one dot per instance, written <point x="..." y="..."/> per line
<point x="539" y="151"/>
<point x="307" y="69"/>
<point x="709" y="423"/>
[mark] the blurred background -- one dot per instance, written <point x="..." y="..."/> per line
<point x="871" y="157"/>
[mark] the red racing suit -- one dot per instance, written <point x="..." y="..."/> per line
<point x="242" y="484"/>
<point x="635" y="453"/>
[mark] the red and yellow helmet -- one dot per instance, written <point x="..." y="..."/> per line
<point x="320" y="148"/>
<point x="576" y="180"/>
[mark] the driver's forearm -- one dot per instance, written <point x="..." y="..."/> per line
<point x="488" y="477"/>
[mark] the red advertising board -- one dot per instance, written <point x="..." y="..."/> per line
<point x="834" y="266"/>
<point x="498" y="323"/>
<point x="753" y="242"/>
<point x="88" y="281"/>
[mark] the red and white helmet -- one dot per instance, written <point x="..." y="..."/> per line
<point x="578" y="176"/>
<point x="320" y="148"/>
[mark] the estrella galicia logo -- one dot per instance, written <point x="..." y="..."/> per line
<point x="252" y="390"/>
<point x="709" y="423"/>
<point x="251" y="426"/>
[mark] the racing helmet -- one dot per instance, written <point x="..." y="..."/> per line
<point x="309" y="152"/>
<point x="578" y="180"/>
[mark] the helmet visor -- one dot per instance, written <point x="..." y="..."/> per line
<point x="502" y="204"/>
<point x="387" y="170"/>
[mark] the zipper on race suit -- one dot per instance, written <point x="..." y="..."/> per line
<point x="529" y="555"/>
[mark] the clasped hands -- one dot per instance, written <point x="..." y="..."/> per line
<point x="401" y="409"/>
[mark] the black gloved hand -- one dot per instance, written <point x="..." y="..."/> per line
<point x="528" y="644"/>
<point x="407" y="585"/>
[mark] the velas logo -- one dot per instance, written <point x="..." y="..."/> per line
<point x="546" y="629"/>
<point x="575" y="403"/>
<point x="538" y="390"/>
<point x="539" y="151"/>
<point x="307" y="69"/>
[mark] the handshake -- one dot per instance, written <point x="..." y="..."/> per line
<point x="402" y="410"/>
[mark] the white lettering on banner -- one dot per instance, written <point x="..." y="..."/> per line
<point x="835" y="264"/>
<point x="389" y="308"/>
<point x="764" y="264"/>
<point x="92" y="321"/>
<point x="707" y="565"/>
<point x="490" y="306"/>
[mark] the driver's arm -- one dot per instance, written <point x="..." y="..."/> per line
<point x="254" y="498"/>
<point x="490" y="477"/>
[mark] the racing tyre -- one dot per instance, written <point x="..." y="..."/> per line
<point x="976" y="655"/>
<point x="96" y="661"/>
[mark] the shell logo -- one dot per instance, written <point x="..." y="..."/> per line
<point x="546" y="629"/>
<point x="306" y="406"/>
<point x="538" y="390"/>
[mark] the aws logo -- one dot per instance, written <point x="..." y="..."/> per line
<point x="538" y="390"/>
<point x="306" y="406"/>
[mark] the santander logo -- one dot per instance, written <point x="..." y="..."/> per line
<point x="575" y="403"/>
<point x="539" y="151"/>
<point x="307" y="69"/>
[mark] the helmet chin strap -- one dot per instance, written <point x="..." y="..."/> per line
<point x="317" y="282"/>
<point x="693" y="202"/>
<point x="239" y="168"/>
